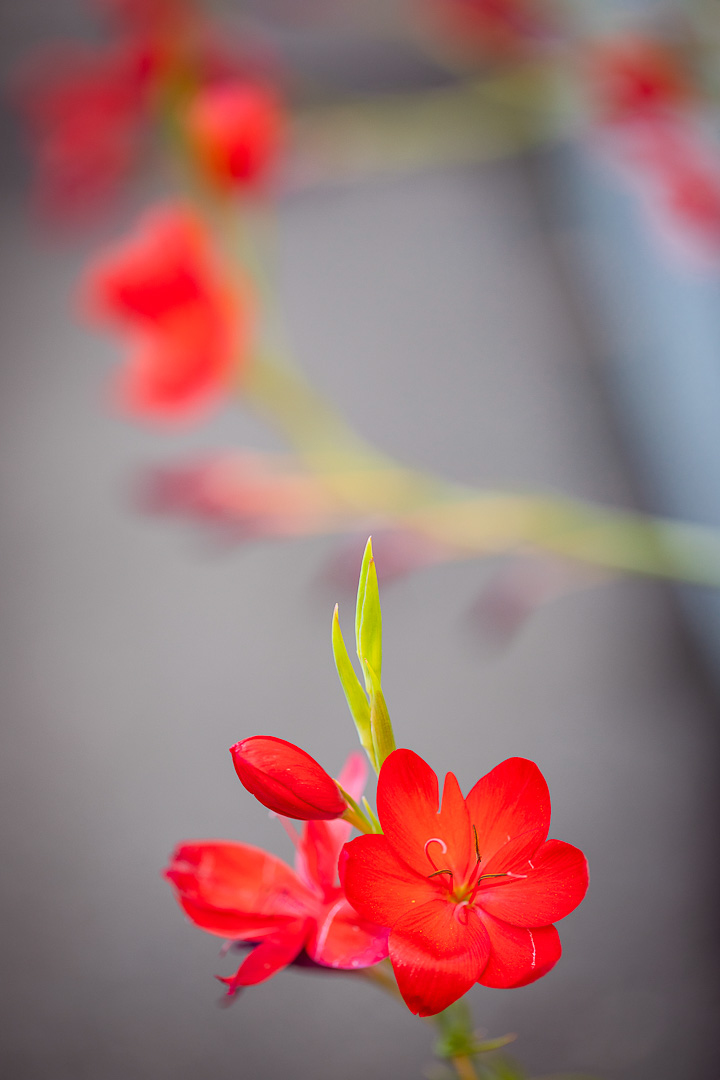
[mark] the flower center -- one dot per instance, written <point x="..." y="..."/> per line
<point x="462" y="893"/>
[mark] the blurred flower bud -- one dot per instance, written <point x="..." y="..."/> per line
<point x="235" y="129"/>
<point x="285" y="779"/>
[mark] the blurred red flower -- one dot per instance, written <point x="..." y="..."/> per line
<point x="246" y="895"/>
<point x="190" y="333"/>
<point x="84" y="108"/>
<point x="505" y="30"/>
<point x="634" y="76"/>
<point x="470" y="893"/>
<point x="285" y="779"/>
<point x="235" y="130"/>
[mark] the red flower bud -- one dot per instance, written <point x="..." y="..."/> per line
<point x="285" y="779"/>
<point x="236" y="131"/>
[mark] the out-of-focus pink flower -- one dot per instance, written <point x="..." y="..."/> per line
<point x="189" y="332"/>
<point x="243" y="894"/>
<point x="286" y="779"/>
<point x="235" y="131"/>
<point x="243" y="495"/>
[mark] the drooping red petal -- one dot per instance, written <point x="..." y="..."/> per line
<point x="343" y="939"/>
<point x="271" y="955"/>
<point x="438" y="951"/>
<point x="237" y="878"/>
<point x="237" y="925"/>
<point x="556" y="882"/>
<point x="512" y="798"/>
<point x="519" y="955"/>
<point x="286" y="779"/>
<point x="381" y="887"/>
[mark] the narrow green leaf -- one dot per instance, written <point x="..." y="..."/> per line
<point x="380" y="726"/>
<point x="362" y="584"/>
<point x="354" y="693"/>
<point x="368" y="617"/>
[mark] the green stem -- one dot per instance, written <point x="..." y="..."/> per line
<point x="464" y="1068"/>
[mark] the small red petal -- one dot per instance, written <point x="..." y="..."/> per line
<point x="520" y="955"/>
<point x="438" y="951"/>
<point x="274" y="953"/>
<point x="556" y="881"/>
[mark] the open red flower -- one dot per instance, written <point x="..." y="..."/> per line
<point x="286" y="779"/>
<point x="235" y="130"/>
<point x="189" y="332"/>
<point x="470" y="893"/>
<point x="243" y="894"/>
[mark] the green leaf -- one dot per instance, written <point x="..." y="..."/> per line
<point x="380" y="726"/>
<point x="368" y="618"/>
<point x="354" y="693"/>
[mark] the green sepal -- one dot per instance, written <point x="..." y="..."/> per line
<point x="368" y="618"/>
<point x="381" y="729"/>
<point x="354" y="693"/>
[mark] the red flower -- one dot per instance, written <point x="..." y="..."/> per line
<point x="85" y="108"/>
<point x="285" y="779"/>
<point x="235" y="130"/>
<point x="189" y="331"/>
<point x="246" y="895"/>
<point x="470" y="893"/>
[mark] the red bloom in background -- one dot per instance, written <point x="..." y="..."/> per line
<point x="85" y="108"/>
<point x="243" y="894"/>
<point x="285" y="779"/>
<point x="190" y="334"/>
<point x="235" y="130"/>
<point x="503" y="29"/>
<point x="470" y="893"/>
<point x="645" y="97"/>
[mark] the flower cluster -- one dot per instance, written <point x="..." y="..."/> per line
<point x="88" y="108"/>
<point x="456" y="892"/>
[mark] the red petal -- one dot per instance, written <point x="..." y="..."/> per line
<point x="515" y="856"/>
<point x="520" y="955"/>
<point x="438" y="951"/>
<point x="343" y="939"/>
<point x="556" y="882"/>
<point x="319" y="849"/>
<point x="274" y="953"/>
<point x="238" y="878"/>
<point x="407" y="799"/>
<point x="513" y="798"/>
<point x="240" y="926"/>
<point x="317" y="854"/>
<point x="286" y="779"/>
<point x="379" y="885"/>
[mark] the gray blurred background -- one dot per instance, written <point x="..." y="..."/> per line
<point x="443" y="313"/>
